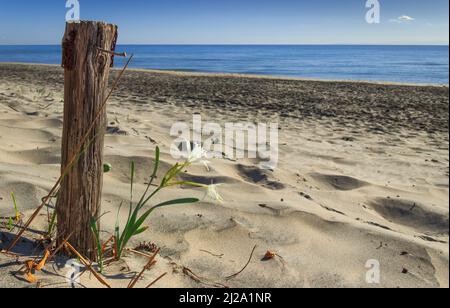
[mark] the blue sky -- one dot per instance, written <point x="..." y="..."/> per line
<point x="233" y="21"/>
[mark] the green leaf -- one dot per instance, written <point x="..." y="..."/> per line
<point x="133" y="169"/>
<point x="136" y="226"/>
<point x="10" y="224"/>
<point x="157" y="157"/>
<point x="96" y="233"/>
<point x="134" y="222"/>
<point x="152" y="178"/>
<point x="16" y="210"/>
<point x="177" y="201"/>
<point x="144" y="217"/>
<point x="117" y="229"/>
<point x="141" y="230"/>
<point x="107" y="168"/>
<point x="52" y="224"/>
<point x="189" y="184"/>
<point x="130" y="212"/>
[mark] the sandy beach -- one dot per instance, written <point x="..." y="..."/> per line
<point x="363" y="174"/>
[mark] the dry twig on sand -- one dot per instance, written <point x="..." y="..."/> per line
<point x="243" y="269"/>
<point x="188" y="272"/>
<point x="220" y="256"/>
<point x="139" y="253"/>
<point x="156" y="280"/>
<point x="87" y="264"/>
<point x="150" y="263"/>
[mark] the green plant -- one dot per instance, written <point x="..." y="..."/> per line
<point x="51" y="215"/>
<point x="107" y="168"/>
<point x="52" y="224"/>
<point x="10" y="224"/>
<point x="96" y="232"/>
<point x="16" y="210"/>
<point x="135" y="221"/>
<point x="17" y="215"/>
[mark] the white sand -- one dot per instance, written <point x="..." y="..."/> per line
<point x="339" y="197"/>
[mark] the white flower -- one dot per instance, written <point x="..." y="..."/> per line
<point x="213" y="194"/>
<point x="197" y="155"/>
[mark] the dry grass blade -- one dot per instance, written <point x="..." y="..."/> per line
<point x="105" y="244"/>
<point x="116" y="248"/>
<point x="61" y="246"/>
<point x="139" y="253"/>
<point x="156" y="280"/>
<point x="188" y="272"/>
<point x="150" y="263"/>
<point x="220" y="256"/>
<point x="87" y="264"/>
<point x="243" y="269"/>
<point x="72" y="161"/>
<point x="11" y="254"/>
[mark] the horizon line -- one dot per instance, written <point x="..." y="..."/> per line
<point x="245" y="44"/>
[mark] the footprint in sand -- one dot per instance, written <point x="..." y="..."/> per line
<point x="258" y="176"/>
<point x="412" y="214"/>
<point x="338" y="182"/>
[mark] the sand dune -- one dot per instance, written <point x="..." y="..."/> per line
<point x="362" y="175"/>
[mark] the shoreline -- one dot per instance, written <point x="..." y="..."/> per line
<point x="371" y="107"/>
<point x="252" y="76"/>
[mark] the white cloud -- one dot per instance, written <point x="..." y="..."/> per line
<point x="403" y="19"/>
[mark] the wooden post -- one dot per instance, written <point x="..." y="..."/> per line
<point x="86" y="62"/>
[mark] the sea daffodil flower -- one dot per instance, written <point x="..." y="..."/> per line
<point x="197" y="155"/>
<point x="213" y="194"/>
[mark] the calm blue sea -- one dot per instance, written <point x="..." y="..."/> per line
<point x="411" y="64"/>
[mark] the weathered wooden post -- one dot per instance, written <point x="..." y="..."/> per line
<point x="87" y="59"/>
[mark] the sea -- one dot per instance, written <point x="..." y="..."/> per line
<point x="404" y="64"/>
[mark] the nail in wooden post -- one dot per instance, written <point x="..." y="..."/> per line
<point x="86" y="72"/>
